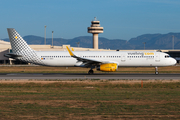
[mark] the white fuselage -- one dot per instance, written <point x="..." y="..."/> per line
<point x="128" y="58"/>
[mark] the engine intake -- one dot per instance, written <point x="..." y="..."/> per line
<point x="109" y="67"/>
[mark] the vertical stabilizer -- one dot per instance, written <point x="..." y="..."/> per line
<point x="18" y="44"/>
<point x="20" y="47"/>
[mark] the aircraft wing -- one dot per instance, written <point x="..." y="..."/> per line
<point x="86" y="61"/>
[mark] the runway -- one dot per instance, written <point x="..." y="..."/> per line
<point x="71" y="76"/>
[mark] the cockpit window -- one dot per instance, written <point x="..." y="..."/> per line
<point x="167" y="56"/>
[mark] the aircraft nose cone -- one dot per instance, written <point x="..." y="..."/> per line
<point x="174" y="61"/>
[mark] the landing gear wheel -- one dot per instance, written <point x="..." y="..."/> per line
<point x="156" y="73"/>
<point x="90" y="72"/>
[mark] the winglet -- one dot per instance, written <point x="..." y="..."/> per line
<point x="70" y="52"/>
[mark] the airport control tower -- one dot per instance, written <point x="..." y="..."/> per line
<point x="95" y="29"/>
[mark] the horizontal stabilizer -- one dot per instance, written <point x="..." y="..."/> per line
<point x="11" y="55"/>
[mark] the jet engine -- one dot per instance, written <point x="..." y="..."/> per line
<point x="109" y="67"/>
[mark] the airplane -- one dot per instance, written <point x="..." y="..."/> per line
<point x="107" y="61"/>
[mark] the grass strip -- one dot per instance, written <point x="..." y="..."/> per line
<point x="90" y="100"/>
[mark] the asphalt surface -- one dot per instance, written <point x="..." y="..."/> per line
<point x="70" y="76"/>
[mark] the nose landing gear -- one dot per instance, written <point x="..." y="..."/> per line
<point x="156" y="71"/>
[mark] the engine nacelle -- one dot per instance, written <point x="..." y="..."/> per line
<point x="109" y="67"/>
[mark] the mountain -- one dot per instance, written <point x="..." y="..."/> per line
<point x="156" y="41"/>
<point x="152" y="41"/>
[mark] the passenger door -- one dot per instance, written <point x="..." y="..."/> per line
<point x="157" y="57"/>
<point x="123" y="57"/>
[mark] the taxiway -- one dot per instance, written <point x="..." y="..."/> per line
<point x="71" y="76"/>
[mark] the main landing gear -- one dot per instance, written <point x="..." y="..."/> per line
<point x="90" y="72"/>
<point x="156" y="71"/>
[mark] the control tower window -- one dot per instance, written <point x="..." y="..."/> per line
<point x="95" y="23"/>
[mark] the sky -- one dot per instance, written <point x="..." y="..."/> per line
<point x="121" y="19"/>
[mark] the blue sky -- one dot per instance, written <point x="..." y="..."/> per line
<point x="121" y="19"/>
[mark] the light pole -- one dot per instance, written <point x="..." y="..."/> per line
<point x="45" y="34"/>
<point x="78" y="43"/>
<point x="173" y="42"/>
<point x="144" y="44"/>
<point x="52" y="38"/>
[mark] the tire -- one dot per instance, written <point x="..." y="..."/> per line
<point x="156" y="73"/>
<point x="90" y="72"/>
